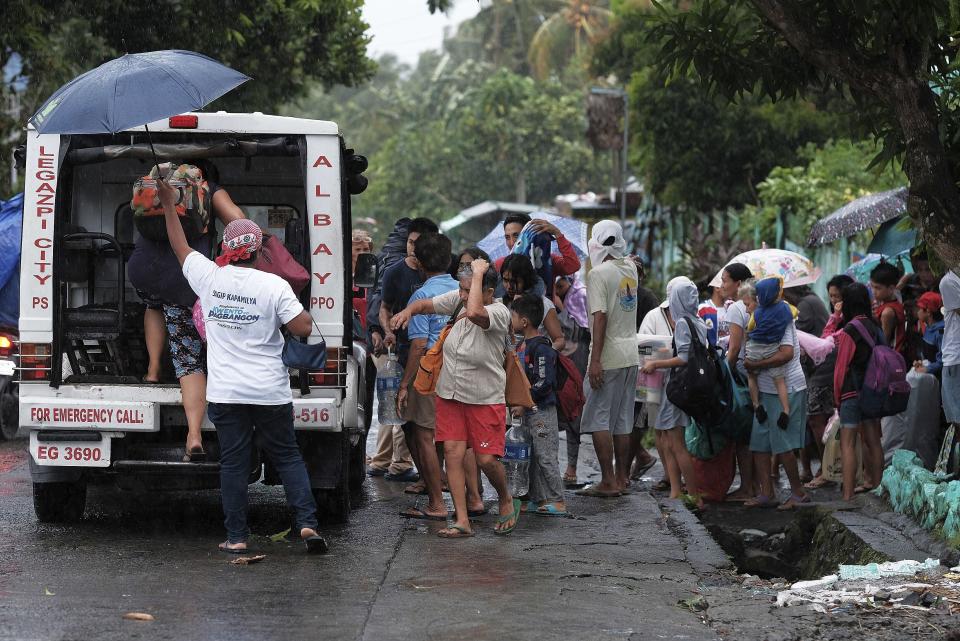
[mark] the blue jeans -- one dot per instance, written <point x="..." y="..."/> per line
<point x="235" y="425"/>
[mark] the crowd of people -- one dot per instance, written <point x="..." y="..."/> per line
<point x="798" y="368"/>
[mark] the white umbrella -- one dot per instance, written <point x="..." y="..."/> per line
<point x="795" y="269"/>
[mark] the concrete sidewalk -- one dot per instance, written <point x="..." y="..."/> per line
<point x="616" y="570"/>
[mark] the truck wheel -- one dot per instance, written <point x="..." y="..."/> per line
<point x="358" y="469"/>
<point x="333" y="505"/>
<point x="9" y="413"/>
<point x="59" y="502"/>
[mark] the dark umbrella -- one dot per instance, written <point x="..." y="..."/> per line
<point x="134" y="90"/>
<point x="894" y="237"/>
<point x="858" y="215"/>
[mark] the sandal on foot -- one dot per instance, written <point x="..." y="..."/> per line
<point x="638" y="473"/>
<point x="476" y="513"/>
<point x="818" y="482"/>
<point x="455" y="532"/>
<point x="417" y="513"/>
<point x="863" y="489"/>
<point x="314" y="543"/>
<point x="591" y="490"/>
<point x="793" y="502"/>
<point x="514" y="516"/>
<point x="415" y="489"/>
<point x="224" y="547"/>
<point x="550" y="510"/>
<point x="759" y="502"/>
<point x="195" y="455"/>
<point x="661" y="486"/>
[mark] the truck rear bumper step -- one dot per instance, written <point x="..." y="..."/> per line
<point x="166" y="466"/>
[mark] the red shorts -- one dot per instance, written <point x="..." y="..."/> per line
<point x="483" y="427"/>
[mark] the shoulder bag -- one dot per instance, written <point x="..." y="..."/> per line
<point x="428" y="369"/>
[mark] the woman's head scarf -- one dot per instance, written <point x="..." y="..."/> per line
<point x="670" y="287"/>
<point x="241" y="239"/>
<point x="684" y="300"/>
<point x="606" y="240"/>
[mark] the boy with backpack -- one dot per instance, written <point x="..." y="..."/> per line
<point x="869" y="384"/>
<point x="770" y="316"/>
<point x="539" y="361"/>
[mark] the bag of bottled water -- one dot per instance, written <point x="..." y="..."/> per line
<point x="516" y="458"/>
<point x="388" y="383"/>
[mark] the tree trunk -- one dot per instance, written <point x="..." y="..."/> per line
<point x="934" y="198"/>
<point x="521" y="187"/>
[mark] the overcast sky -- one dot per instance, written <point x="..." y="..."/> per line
<point x="406" y="28"/>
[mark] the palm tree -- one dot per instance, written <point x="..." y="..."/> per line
<point x="574" y="27"/>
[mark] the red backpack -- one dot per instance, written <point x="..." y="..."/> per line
<point x="570" y="398"/>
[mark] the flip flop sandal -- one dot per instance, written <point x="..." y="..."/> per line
<point x="550" y="510"/>
<point x="592" y="491"/>
<point x="636" y="476"/>
<point x="514" y="516"/>
<point x="817" y="483"/>
<point x="417" y="513"/>
<point x="463" y="533"/>
<point x="422" y="492"/>
<point x="223" y="548"/>
<point x="863" y="489"/>
<point x="793" y="502"/>
<point x="476" y="513"/>
<point x="662" y="486"/>
<point x="761" y="502"/>
<point x="315" y="544"/>
<point x="195" y="455"/>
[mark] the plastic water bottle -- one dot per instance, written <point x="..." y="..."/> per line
<point x="388" y="383"/>
<point x="516" y="458"/>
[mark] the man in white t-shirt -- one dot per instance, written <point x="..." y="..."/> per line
<point x="614" y="358"/>
<point x="247" y="384"/>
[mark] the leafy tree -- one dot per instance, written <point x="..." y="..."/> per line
<point x="282" y="45"/>
<point x="699" y="153"/>
<point x="831" y="176"/>
<point x="897" y="60"/>
<point x="573" y="29"/>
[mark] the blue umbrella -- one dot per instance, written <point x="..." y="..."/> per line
<point x="860" y="270"/>
<point x="133" y="90"/>
<point x="574" y="230"/>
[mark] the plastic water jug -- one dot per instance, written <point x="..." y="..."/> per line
<point x="516" y="458"/>
<point x="388" y="384"/>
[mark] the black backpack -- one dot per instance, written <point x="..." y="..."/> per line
<point x="694" y="386"/>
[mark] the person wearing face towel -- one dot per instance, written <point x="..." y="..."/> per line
<point x="612" y="371"/>
<point x="671" y="423"/>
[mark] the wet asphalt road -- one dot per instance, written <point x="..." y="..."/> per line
<point x="615" y="572"/>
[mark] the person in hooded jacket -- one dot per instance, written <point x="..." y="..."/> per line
<point x="394" y="250"/>
<point x="672" y="422"/>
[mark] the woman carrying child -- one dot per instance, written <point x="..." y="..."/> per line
<point x="853" y="355"/>
<point x="770" y="316"/>
<point x="539" y="361"/>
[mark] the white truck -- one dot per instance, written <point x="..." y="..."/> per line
<point x="81" y="343"/>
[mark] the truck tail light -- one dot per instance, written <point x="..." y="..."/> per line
<point x="6" y="345"/>
<point x="35" y="361"/>
<point x="335" y="372"/>
<point x="183" y="122"/>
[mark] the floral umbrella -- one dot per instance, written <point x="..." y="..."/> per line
<point x="862" y="213"/>
<point x="793" y="268"/>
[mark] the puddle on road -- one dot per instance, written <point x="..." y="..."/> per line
<point x="805" y="544"/>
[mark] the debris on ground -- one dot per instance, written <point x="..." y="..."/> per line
<point x="694" y="604"/>
<point x="883" y="570"/>
<point x="874" y="586"/>
<point x="138" y="616"/>
<point x="248" y="560"/>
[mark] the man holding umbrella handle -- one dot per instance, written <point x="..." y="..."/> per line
<point x="247" y="385"/>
